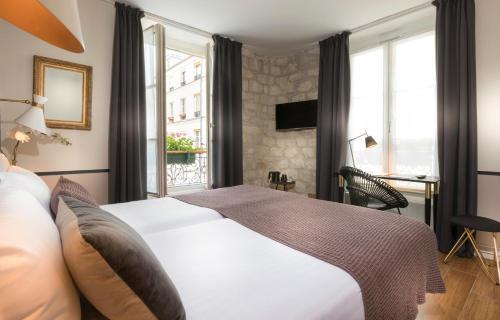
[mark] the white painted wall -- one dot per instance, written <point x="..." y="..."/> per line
<point x="488" y="103"/>
<point x="90" y="148"/>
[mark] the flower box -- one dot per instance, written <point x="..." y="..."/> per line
<point x="182" y="157"/>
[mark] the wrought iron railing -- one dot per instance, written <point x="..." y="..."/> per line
<point x="186" y="169"/>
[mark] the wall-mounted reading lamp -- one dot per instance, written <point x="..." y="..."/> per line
<point x="33" y="119"/>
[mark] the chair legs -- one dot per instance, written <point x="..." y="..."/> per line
<point x="398" y="211"/>
<point x="469" y="235"/>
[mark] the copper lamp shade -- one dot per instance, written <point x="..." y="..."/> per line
<point x="54" y="21"/>
<point x="370" y="142"/>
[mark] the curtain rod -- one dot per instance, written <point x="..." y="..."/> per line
<point x="169" y="22"/>
<point x="204" y="33"/>
<point x="392" y="17"/>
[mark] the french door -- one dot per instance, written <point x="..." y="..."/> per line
<point x="178" y="113"/>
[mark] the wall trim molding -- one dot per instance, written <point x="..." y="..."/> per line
<point x="488" y="254"/>
<point x="69" y="172"/>
<point x="489" y="173"/>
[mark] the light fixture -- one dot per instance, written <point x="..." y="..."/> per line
<point x="54" y="21"/>
<point x="369" y="142"/>
<point x="32" y="119"/>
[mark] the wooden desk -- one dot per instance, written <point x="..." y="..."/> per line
<point x="431" y="192"/>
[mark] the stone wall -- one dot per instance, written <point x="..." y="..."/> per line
<point x="266" y="82"/>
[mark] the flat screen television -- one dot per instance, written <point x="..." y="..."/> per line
<point x="296" y="115"/>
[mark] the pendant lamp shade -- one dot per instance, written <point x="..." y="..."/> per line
<point x="54" y="21"/>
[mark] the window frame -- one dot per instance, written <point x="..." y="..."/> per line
<point x="163" y="42"/>
<point x="388" y="67"/>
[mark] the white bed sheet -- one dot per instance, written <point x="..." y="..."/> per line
<point x="223" y="270"/>
<point x="148" y="216"/>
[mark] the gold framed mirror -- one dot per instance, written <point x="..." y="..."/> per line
<point x="68" y="86"/>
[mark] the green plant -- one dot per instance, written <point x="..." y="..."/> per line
<point x="181" y="144"/>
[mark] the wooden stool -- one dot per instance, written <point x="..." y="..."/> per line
<point x="472" y="224"/>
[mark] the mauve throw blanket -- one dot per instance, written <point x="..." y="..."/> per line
<point x="393" y="258"/>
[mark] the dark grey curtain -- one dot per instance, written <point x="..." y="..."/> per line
<point x="334" y="94"/>
<point x="457" y="119"/>
<point x="227" y="114"/>
<point x="127" y="135"/>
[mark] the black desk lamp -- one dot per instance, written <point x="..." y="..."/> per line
<point x="369" y="142"/>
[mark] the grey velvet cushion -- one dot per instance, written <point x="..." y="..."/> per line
<point x="112" y="265"/>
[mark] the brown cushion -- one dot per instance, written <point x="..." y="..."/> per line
<point x="112" y="265"/>
<point x="66" y="187"/>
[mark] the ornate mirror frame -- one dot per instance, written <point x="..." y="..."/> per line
<point x="39" y="66"/>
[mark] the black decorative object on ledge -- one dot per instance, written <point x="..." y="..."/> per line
<point x="276" y="179"/>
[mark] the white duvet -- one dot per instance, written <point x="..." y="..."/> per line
<point x="223" y="270"/>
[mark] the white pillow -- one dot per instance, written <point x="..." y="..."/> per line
<point x="4" y="163"/>
<point x="26" y="180"/>
<point x="34" y="281"/>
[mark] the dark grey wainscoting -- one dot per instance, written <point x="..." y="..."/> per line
<point x="68" y="172"/>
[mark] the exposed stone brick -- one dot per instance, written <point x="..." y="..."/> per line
<point x="268" y="81"/>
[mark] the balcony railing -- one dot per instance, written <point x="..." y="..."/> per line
<point x="186" y="169"/>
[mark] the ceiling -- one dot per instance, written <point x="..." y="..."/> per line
<point x="275" y="25"/>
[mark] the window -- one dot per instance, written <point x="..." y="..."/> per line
<point x="183" y="78"/>
<point x="150" y="61"/>
<point x="197" y="70"/>
<point x="197" y="102"/>
<point x="393" y="98"/>
<point x="197" y="140"/>
<point x="183" y="105"/>
<point x="178" y="154"/>
<point x="171" y="108"/>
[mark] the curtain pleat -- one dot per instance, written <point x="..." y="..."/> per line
<point x="457" y="116"/>
<point x="334" y="95"/>
<point x="127" y="135"/>
<point x="227" y="128"/>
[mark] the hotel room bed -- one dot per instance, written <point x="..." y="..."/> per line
<point x="233" y="253"/>
<point x="147" y="216"/>
<point x="223" y="270"/>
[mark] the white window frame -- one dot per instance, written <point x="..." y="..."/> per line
<point x="387" y="46"/>
<point x="164" y="42"/>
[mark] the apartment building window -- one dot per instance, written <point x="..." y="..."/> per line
<point x="183" y="108"/>
<point x="183" y="78"/>
<point x="197" y="105"/>
<point x="197" y="139"/>
<point x="393" y="98"/>
<point x="197" y="70"/>
<point x="171" y="112"/>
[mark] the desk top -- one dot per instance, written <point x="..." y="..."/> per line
<point x="409" y="178"/>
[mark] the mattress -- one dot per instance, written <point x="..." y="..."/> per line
<point x="223" y="270"/>
<point x="148" y="216"/>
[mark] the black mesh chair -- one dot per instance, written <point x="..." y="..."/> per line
<point x="368" y="191"/>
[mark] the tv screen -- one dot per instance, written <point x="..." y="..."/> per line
<point x="296" y="115"/>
